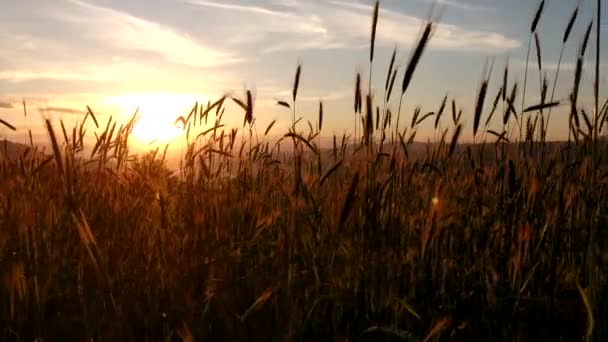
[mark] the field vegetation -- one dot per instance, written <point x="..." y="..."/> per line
<point x="375" y="238"/>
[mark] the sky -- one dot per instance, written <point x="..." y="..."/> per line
<point x="163" y="55"/>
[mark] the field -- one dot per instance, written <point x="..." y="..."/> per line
<point x="378" y="238"/>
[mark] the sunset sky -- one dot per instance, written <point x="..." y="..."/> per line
<point x="163" y="55"/>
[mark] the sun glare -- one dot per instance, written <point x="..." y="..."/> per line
<point x="156" y="115"/>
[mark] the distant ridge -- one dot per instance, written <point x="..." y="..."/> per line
<point x="12" y="150"/>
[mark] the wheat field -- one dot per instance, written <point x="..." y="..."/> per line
<point x="376" y="238"/>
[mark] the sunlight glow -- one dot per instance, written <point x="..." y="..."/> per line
<point x="156" y="116"/>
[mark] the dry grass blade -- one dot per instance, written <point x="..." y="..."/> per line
<point x="217" y="105"/>
<point x="64" y="132"/>
<point x="42" y="164"/>
<point x="97" y="145"/>
<point x="415" y="117"/>
<point x="358" y="94"/>
<point x="269" y="127"/>
<point x="320" y="115"/>
<point x="212" y="129"/>
<point x="596" y="84"/>
<point x="586" y="39"/>
<point x="302" y="139"/>
<point x="535" y="21"/>
<point x="249" y="110"/>
<point x="11" y="127"/>
<point x="481" y="96"/>
<point x="222" y="153"/>
<point x="348" y="201"/>
<point x="90" y="112"/>
<point x="570" y="25"/>
<point x="538" y="53"/>
<point x="440" y="111"/>
<point x="240" y="103"/>
<point x="86" y="236"/>
<point x="587" y="121"/>
<point x="330" y="172"/>
<point x="500" y="136"/>
<point x="374" y="25"/>
<point x="505" y="80"/>
<point x="284" y="104"/>
<point x="454" y="140"/>
<point x="577" y="80"/>
<point x="178" y="120"/>
<point x="541" y="106"/>
<point x="459" y="116"/>
<point x="438" y="327"/>
<point x="511" y="106"/>
<point x="391" y="85"/>
<point x="369" y="121"/>
<point x="296" y="82"/>
<point x="55" y="145"/>
<point x="588" y="309"/>
<point x="387" y="119"/>
<point x="574" y="112"/>
<point x="424" y="117"/>
<point x="192" y="113"/>
<point x="454" y="112"/>
<point x="415" y="58"/>
<point x="390" y="70"/>
<point x="494" y="105"/>
<point x="539" y="12"/>
<point x="544" y="89"/>
<point x="263" y="298"/>
<point x="604" y="114"/>
<point x="412" y="137"/>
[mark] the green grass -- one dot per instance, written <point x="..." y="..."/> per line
<point x="499" y="241"/>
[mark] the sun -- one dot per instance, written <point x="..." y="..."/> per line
<point x="156" y="115"/>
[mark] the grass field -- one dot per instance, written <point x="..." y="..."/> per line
<point x="505" y="239"/>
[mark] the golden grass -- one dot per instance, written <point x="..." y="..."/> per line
<point x="499" y="240"/>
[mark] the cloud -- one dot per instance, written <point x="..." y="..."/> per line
<point x="552" y="66"/>
<point x="463" y="5"/>
<point x="64" y="110"/>
<point x="339" y="24"/>
<point x="6" y="105"/>
<point x="240" y="8"/>
<point x="394" y="26"/>
<point x="113" y="72"/>
<point x="21" y="75"/>
<point x="129" y="32"/>
<point x="270" y="95"/>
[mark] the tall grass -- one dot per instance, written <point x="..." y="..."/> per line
<point x="499" y="240"/>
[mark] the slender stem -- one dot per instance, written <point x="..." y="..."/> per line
<point x="369" y="92"/>
<point x="523" y="96"/>
<point x="398" y="115"/>
<point x="596" y="88"/>
<point x="559" y="62"/>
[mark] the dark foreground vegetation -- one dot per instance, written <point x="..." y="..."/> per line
<point x="502" y="240"/>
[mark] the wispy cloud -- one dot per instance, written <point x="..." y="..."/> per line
<point x="113" y="72"/>
<point x="552" y="66"/>
<point x="394" y="26"/>
<point x="460" y="4"/>
<point x="273" y="94"/>
<point x="340" y="24"/>
<point x="6" y="105"/>
<point x="64" y="110"/>
<point x="240" y="8"/>
<point x="128" y="32"/>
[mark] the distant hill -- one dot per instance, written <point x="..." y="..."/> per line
<point x="12" y="150"/>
